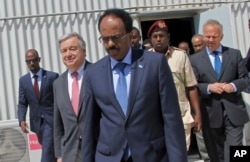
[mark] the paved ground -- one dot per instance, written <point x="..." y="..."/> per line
<point x="194" y="158"/>
<point x="193" y="155"/>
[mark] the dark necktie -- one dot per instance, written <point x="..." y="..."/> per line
<point x="36" y="86"/>
<point x="217" y="64"/>
<point x="121" y="87"/>
<point x="75" y="92"/>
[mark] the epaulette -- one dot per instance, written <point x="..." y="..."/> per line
<point x="170" y="50"/>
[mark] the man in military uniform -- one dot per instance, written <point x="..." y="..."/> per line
<point x="199" y="44"/>
<point x="184" y="79"/>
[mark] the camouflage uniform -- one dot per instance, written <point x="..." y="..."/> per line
<point x="183" y="76"/>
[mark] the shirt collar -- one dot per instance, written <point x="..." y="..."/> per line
<point x="219" y="50"/>
<point x="127" y="59"/>
<point x="39" y="73"/>
<point x="168" y="53"/>
<point x="79" y="70"/>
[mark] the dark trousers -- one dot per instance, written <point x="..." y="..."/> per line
<point x="78" y="155"/>
<point x="45" y="138"/>
<point x="219" y="140"/>
<point x="129" y="160"/>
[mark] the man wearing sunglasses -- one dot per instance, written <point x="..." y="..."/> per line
<point x="36" y="92"/>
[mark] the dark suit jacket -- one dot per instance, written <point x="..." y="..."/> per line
<point x="66" y="123"/>
<point x="247" y="60"/>
<point x="232" y="71"/>
<point x="153" y="126"/>
<point x="44" y="105"/>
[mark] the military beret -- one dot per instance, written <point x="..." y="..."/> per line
<point x="157" y="26"/>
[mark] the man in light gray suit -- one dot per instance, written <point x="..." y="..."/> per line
<point x="144" y="125"/>
<point x="68" y="99"/>
<point x="221" y="77"/>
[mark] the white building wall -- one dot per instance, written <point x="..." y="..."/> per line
<point x="39" y="23"/>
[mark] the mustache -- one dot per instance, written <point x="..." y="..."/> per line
<point x="112" y="48"/>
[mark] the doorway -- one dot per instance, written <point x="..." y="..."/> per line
<point x="180" y="29"/>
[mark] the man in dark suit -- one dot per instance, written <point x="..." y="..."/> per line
<point x="136" y="38"/>
<point x="246" y="97"/>
<point x="36" y="91"/>
<point x="68" y="116"/>
<point x="140" y="123"/>
<point x="221" y="77"/>
<point x="247" y="58"/>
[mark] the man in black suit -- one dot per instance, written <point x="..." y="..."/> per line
<point x="221" y="77"/>
<point x="135" y="106"/>
<point x="36" y="91"/>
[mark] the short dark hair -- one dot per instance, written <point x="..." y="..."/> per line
<point x="135" y="28"/>
<point x="147" y="41"/>
<point x="34" y="51"/>
<point x="120" y="13"/>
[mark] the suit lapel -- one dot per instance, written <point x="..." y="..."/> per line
<point x="43" y="82"/>
<point x="137" y="69"/>
<point x="65" y="94"/>
<point x="30" y="84"/>
<point x="225" y="60"/>
<point x="207" y="64"/>
<point x="81" y="90"/>
<point x="106" y="73"/>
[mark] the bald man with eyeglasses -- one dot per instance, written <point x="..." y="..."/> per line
<point x="36" y="93"/>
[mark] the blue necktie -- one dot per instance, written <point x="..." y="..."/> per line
<point x="217" y="64"/>
<point x="122" y="97"/>
<point x="121" y="87"/>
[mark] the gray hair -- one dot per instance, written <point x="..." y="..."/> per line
<point x="197" y="36"/>
<point x="73" y="34"/>
<point x="213" y="22"/>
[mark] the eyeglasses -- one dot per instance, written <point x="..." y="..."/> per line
<point x="114" y="38"/>
<point x="32" y="60"/>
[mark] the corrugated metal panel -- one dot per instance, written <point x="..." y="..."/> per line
<point x="38" y="24"/>
<point x="241" y="12"/>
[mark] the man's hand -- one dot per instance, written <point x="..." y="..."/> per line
<point x="228" y="88"/>
<point x="24" y="127"/>
<point x="197" y="123"/>
<point x="59" y="159"/>
<point x="217" y="88"/>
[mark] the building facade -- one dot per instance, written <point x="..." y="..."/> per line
<point x="38" y="24"/>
